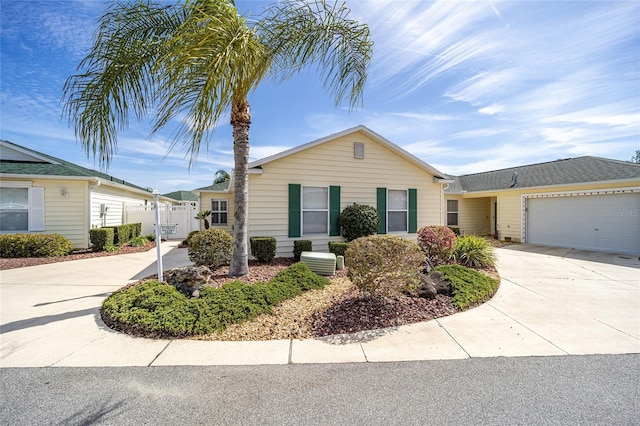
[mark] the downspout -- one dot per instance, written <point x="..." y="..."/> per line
<point x="443" y="205"/>
<point x="90" y="196"/>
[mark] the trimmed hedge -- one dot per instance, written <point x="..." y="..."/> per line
<point x="263" y="248"/>
<point x="468" y="287"/>
<point x="160" y="310"/>
<point x="101" y="238"/>
<point x="338" y="247"/>
<point x="34" y="245"/>
<point x="123" y="233"/>
<point x="299" y="246"/>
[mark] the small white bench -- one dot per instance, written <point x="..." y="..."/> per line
<point x="320" y="263"/>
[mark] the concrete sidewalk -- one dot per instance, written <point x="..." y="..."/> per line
<point x="551" y="302"/>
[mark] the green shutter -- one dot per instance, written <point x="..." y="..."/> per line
<point x="381" y="206"/>
<point x="413" y="211"/>
<point x="334" y="210"/>
<point x="294" y="210"/>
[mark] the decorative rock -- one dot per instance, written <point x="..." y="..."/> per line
<point x="442" y="286"/>
<point x="426" y="289"/>
<point x="189" y="279"/>
<point x="432" y="285"/>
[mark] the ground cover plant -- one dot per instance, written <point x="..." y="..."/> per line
<point x="468" y="287"/>
<point x="160" y="310"/>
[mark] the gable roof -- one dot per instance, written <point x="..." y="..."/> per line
<point x="373" y="135"/>
<point x="17" y="160"/>
<point x="181" y="196"/>
<point x="586" y="169"/>
<point x="216" y="187"/>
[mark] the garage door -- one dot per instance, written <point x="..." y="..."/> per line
<point x="608" y="223"/>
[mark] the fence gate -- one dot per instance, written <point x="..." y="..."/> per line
<point x="176" y="221"/>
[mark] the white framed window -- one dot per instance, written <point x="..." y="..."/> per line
<point x="219" y="212"/>
<point x="315" y="210"/>
<point x="397" y="210"/>
<point x="21" y="209"/>
<point x="452" y="212"/>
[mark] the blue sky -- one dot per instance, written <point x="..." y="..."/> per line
<point x="465" y="86"/>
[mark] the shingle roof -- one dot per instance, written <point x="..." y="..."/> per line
<point x="56" y="167"/>
<point x="586" y="169"/>
<point x="223" y="186"/>
<point x="181" y="196"/>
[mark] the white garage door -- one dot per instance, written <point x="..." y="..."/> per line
<point x="608" y="223"/>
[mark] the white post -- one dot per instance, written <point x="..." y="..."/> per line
<point x="156" y="193"/>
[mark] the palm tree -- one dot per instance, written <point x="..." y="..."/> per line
<point x="221" y="176"/>
<point x="204" y="215"/>
<point x="201" y="59"/>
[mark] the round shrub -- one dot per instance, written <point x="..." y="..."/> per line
<point x="437" y="242"/>
<point x="383" y="265"/>
<point x="473" y="251"/>
<point x="34" y="245"/>
<point x="358" y="220"/>
<point x="211" y="247"/>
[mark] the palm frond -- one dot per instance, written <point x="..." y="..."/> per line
<point x="121" y="74"/>
<point x="300" y="33"/>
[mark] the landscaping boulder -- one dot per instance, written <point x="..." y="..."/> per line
<point x="189" y="279"/>
<point x="442" y="286"/>
<point x="432" y="285"/>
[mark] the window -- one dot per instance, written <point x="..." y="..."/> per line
<point x="21" y="209"/>
<point x="452" y="212"/>
<point x="219" y="212"/>
<point x="315" y="210"/>
<point x="397" y="209"/>
<point x="14" y="209"/>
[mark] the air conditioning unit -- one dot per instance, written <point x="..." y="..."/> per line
<point x="320" y="263"/>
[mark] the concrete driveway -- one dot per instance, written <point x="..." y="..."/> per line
<point x="551" y="302"/>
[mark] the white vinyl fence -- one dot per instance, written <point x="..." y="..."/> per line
<point x="176" y="221"/>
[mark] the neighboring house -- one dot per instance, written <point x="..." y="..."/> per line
<point x="299" y="193"/>
<point x="587" y="203"/>
<point x="41" y="193"/>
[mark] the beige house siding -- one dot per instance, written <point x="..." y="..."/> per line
<point x="65" y="207"/>
<point x="511" y="204"/>
<point x="205" y="204"/>
<point x="333" y="164"/>
<point x="474" y="215"/>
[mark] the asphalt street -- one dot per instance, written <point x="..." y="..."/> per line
<point x="567" y="390"/>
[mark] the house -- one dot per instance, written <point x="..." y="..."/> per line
<point x="587" y="203"/>
<point x="299" y="193"/>
<point x="41" y="193"/>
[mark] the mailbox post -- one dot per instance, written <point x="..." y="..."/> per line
<point x="156" y="206"/>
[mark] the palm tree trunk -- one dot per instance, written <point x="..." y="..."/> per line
<point x="240" y="121"/>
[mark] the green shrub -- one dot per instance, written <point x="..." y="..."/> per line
<point x="263" y="248"/>
<point x="382" y="265"/>
<point x="191" y="234"/>
<point x="157" y="309"/>
<point x="136" y="230"/>
<point x="437" y="242"/>
<point x="468" y="287"/>
<point x="455" y="230"/>
<point x="138" y="241"/>
<point x="34" y="245"/>
<point x="358" y="220"/>
<point x="121" y="233"/>
<point x="101" y="238"/>
<point x="299" y="275"/>
<point x="150" y="237"/>
<point x="338" y="247"/>
<point x="299" y="246"/>
<point x="211" y="247"/>
<point x="473" y="251"/>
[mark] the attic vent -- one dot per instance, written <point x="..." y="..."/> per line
<point x="358" y="150"/>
